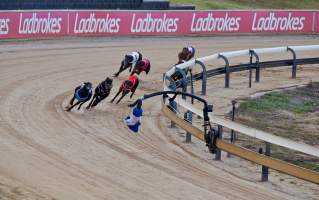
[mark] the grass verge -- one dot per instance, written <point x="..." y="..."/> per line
<point x="279" y="101"/>
<point x="292" y="114"/>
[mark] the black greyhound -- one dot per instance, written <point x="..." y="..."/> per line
<point x="127" y="86"/>
<point x="101" y="92"/>
<point x="82" y="94"/>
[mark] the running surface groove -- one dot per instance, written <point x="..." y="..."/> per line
<point x="47" y="153"/>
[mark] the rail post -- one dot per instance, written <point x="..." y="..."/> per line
<point x="250" y="70"/>
<point x="188" y="117"/>
<point x="187" y="114"/>
<point x="172" y="104"/>
<point x="294" y="64"/>
<point x="232" y="132"/>
<point x="257" y="66"/>
<point x="192" y="85"/>
<point x="265" y="170"/>
<point x="218" y="154"/>
<point x="204" y="76"/>
<point x="227" y="72"/>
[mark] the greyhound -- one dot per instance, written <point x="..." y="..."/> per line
<point x="101" y="92"/>
<point x="141" y="66"/>
<point x="82" y="94"/>
<point x="129" y="61"/>
<point x="127" y="86"/>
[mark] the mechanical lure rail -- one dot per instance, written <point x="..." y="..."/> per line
<point x="209" y="132"/>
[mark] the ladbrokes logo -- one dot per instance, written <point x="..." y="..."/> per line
<point x="4" y="26"/>
<point x="36" y="25"/>
<point x="275" y="23"/>
<point x="211" y="23"/>
<point x="150" y="24"/>
<point x="96" y="25"/>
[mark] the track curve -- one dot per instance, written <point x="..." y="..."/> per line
<point x="50" y="154"/>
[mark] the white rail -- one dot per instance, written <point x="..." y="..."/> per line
<point x="233" y="54"/>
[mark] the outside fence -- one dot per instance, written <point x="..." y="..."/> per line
<point x="220" y="122"/>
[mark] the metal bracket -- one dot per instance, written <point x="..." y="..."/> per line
<point x="227" y="72"/>
<point x="204" y="76"/>
<point x="294" y="64"/>
<point x="210" y="138"/>
<point x="253" y="53"/>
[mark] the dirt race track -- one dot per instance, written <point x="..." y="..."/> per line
<point x="47" y="153"/>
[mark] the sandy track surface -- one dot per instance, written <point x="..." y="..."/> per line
<point x="47" y="153"/>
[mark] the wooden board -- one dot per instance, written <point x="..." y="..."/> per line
<point x="255" y="157"/>
<point x="252" y="132"/>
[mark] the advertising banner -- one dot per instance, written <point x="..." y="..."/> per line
<point x="316" y="22"/>
<point x="33" y="24"/>
<point x="27" y="24"/>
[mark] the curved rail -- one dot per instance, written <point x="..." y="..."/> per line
<point x="304" y="148"/>
<point x="267" y="137"/>
<point x="233" y="54"/>
<point x="227" y="69"/>
<point x="272" y="163"/>
<point x="261" y="135"/>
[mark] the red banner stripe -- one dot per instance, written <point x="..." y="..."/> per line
<point x="28" y="24"/>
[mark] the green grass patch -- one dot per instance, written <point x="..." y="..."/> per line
<point x="290" y="114"/>
<point x="250" y="4"/>
<point x="277" y="101"/>
<point x="308" y="165"/>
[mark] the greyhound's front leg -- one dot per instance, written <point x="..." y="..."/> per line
<point x="130" y="68"/>
<point x="132" y="94"/>
<point x="72" y="100"/>
<point x="115" y="96"/>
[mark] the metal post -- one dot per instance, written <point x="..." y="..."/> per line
<point x="187" y="115"/>
<point x="204" y="76"/>
<point x="184" y="89"/>
<point x="232" y="132"/>
<point x="218" y="154"/>
<point x="265" y="170"/>
<point x="250" y="71"/>
<point x="227" y="72"/>
<point x="294" y="64"/>
<point x="192" y="85"/>
<point x="253" y="53"/>
<point x="173" y="105"/>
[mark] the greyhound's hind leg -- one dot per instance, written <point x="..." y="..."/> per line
<point x="71" y="107"/>
<point x="90" y="104"/>
<point x="80" y="105"/>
